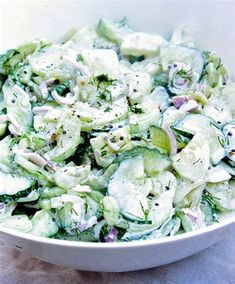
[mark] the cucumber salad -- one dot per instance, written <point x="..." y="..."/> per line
<point x="114" y="135"/>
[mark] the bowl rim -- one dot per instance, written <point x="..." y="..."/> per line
<point x="141" y="243"/>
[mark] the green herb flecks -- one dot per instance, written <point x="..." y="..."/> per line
<point x="61" y="89"/>
<point x="220" y="64"/>
<point x="221" y="141"/>
<point x="185" y="74"/>
<point x="102" y="82"/>
<point x="161" y="83"/>
<point x="80" y="58"/>
<point x="145" y="212"/>
<point x="136" y="109"/>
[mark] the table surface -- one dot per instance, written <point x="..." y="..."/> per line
<point x="213" y="265"/>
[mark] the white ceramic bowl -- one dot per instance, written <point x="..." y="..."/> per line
<point x="213" y="23"/>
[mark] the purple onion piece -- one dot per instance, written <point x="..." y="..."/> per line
<point x="111" y="236"/>
<point x="192" y="217"/>
<point x="172" y="139"/>
<point x="178" y="101"/>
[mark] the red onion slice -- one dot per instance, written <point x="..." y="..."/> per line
<point x="172" y="139"/>
<point x="111" y="236"/>
<point x="178" y="101"/>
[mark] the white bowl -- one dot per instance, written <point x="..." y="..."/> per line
<point x="213" y="23"/>
<point x="118" y="257"/>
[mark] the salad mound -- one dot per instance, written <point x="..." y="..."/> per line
<point x="114" y="135"/>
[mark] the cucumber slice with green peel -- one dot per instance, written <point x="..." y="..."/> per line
<point x="217" y="174"/>
<point x="43" y="224"/>
<point x="83" y="38"/>
<point x="114" y="30"/>
<point x="228" y="168"/>
<point x="195" y="123"/>
<point x="154" y="161"/>
<point x="12" y="184"/>
<point x="134" y="179"/>
<point x="193" y="161"/>
<point x="52" y="192"/>
<point x="70" y="176"/>
<point x="101" y="118"/>
<point x="171" y="115"/>
<point x="223" y="195"/>
<point x="185" y="220"/>
<point x="18" y="106"/>
<point x="16" y="196"/>
<point x="141" y="123"/>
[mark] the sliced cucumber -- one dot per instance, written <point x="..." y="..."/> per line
<point x="218" y="107"/>
<point x="111" y="210"/>
<point x="106" y="146"/>
<point x="228" y="168"/>
<point x="150" y="65"/>
<point x="70" y="176"/>
<point x="43" y="224"/>
<point x="223" y="195"/>
<point x="138" y="44"/>
<point x="12" y="57"/>
<point x="101" y="181"/>
<point x="193" y="161"/>
<point x="154" y="161"/>
<point x="68" y="142"/>
<point x="130" y="184"/>
<point x="17" y="222"/>
<point x="18" y="108"/>
<point x="188" y="192"/>
<point x="217" y="174"/>
<point x="147" y="113"/>
<point x="163" y="190"/>
<point x="114" y="30"/>
<point x="52" y="192"/>
<point x="195" y="123"/>
<point x="141" y="123"/>
<point x="12" y="184"/>
<point x="127" y="185"/>
<point x="101" y="61"/>
<point x="171" y="115"/>
<point x="101" y="118"/>
<point x="175" y="53"/>
<point x="140" y="85"/>
<point x="54" y="62"/>
<point x="83" y="38"/>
